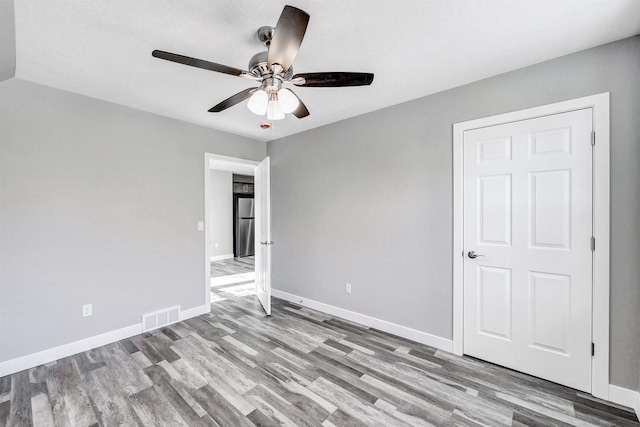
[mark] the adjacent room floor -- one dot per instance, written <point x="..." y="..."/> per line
<point x="299" y="367"/>
<point x="229" y="267"/>
<point x="235" y="276"/>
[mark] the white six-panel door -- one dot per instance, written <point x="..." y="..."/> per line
<point x="528" y="217"/>
<point x="263" y="241"/>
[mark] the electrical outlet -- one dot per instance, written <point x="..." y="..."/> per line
<point x="87" y="310"/>
<point x="216" y="244"/>
<point x="347" y="288"/>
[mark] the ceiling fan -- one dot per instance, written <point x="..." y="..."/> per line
<point x="272" y="69"/>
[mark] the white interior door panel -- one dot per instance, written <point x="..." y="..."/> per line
<point x="528" y="219"/>
<point x="263" y="234"/>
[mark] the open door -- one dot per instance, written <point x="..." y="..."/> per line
<point x="263" y="241"/>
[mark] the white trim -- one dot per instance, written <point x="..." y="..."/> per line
<point x="232" y="164"/>
<point x="194" y="312"/>
<point x="601" y="231"/>
<point x="221" y="257"/>
<point x="45" y="356"/>
<point x="622" y="396"/>
<point x="207" y="229"/>
<point x="625" y="397"/>
<point x="372" y="322"/>
<point x="600" y="105"/>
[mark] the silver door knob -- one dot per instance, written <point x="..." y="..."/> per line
<point x="473" y="255"/>
<point x="267" y="243"/>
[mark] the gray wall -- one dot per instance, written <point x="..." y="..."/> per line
<point x="7" y="40"/>
<point x="100" y="205"/>
<point x="369" y="200"/>
<point x="221" y="212"/>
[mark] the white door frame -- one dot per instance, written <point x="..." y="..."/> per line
<point x="225" y="163"/>
<point x="601" y="173"/>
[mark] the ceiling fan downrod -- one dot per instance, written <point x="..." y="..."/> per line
<point x="265" y="34"/>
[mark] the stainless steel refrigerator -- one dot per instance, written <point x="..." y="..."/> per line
<point x="244" y="227"/>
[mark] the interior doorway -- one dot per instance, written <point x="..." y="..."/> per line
<point x="237" y="264"/>
<point x="531" y="241"/>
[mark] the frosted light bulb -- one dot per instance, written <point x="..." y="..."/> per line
<point x="288" y="101"/>
<point x="274" y="110"/>
<point x="258" y="102"/>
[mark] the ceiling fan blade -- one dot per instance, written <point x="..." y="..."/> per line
<point x="287" y="37"/>
<point x="198" y="63"/>
<point x="233" y="100"/>
<point x="333" y="79"/>
<point x="301" y="111"/>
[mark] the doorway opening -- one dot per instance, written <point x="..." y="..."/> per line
<point x="232" y="235"/>
<point x="232" y="216"/>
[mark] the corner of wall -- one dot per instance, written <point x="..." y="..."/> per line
<point x="7" y="40"/>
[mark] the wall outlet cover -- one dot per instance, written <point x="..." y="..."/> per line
<point x="347" y="288"/>
<point x="87" y="310"/>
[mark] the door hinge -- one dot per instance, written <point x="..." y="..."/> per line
<point x="593" y="243"/>
<point x="593" y="349"/>
<point x="593" y="137"/>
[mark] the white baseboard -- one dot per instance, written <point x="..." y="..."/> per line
<point x="372" y="322"/>
<point x="221" y="257"/>
<point x="195" y="311"/>
<point x="619" y="395"/>
<point x="625" y="397"/>
<point x="45" y="356"/>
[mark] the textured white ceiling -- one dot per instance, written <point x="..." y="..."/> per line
<point x="102" y="48"/>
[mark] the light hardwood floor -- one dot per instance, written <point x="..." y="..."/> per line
<point x="237" y="367"/>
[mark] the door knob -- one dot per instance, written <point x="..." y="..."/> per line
<point x="473" y="255"/>
<point x="267" y="243"/>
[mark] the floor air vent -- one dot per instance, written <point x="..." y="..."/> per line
<point x="158" y="319"/>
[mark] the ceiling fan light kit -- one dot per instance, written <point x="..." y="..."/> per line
<point x="258" y="102"/>
<point x="274" y="100"/>
<point x="288" y="100"/>
<point x="272" y="68"/>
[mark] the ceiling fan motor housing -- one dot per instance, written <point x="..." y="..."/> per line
<point x="258" y="66"/>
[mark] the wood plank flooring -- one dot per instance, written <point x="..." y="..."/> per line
<point x="237" y="367"/>
<point x="233" y="266"/>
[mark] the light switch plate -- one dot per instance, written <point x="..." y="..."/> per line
<point x="200" y="226"/>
